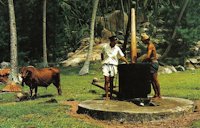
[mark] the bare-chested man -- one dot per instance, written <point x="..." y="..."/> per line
<point x="151" y="57"/>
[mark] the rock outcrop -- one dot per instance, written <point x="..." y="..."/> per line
<point x="80" y="55"/>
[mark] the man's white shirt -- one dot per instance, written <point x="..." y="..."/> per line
<point x="111" y="55"/>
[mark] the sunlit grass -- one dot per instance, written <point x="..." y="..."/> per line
<point x="196" y="124"/>
<point x="182" y="84"/>
<point x="37" y="113"/>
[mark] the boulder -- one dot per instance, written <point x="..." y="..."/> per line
<point x="72" y="62"/>
<point x="180" y="68"/>
<point x="81" y="54"/>
<point x="115" y="21"/>
<point x="166" y="69"/>
<point x="5" y="64"/>
<point x="172" y="68"/>
<point x="192" y="63"/>
<point x="22" y="96"/>
<point x="105" y="34"/>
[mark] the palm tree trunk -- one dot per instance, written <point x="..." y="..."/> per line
<point x="13" y="43"/>
<point x="175" y="29"/>
<point x="85" y="69"/>
<point x="123" y="12"/>
<point x="126" y="34"/>
<point x="45" y="63"/>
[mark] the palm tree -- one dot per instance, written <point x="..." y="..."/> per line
<point x="45" y="62"/>
<point x="85" y="69"/>
<point x="175" y="29"/>
<point x="13" y="43"/>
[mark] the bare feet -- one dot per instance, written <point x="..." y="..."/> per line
<point x="156" y="97"/>
<point x="106" y="98"/>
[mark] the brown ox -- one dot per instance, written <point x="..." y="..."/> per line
<point x="4" y="73"/>
<point x="34" y="77"/>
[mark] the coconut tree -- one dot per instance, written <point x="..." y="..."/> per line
<point x="175" y="28"/>
<point x="85" y="69"/>
<point x="45" y="62"/>
<point x="13" y="43"/>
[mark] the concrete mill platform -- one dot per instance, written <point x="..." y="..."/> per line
<point x="123" y="111"/>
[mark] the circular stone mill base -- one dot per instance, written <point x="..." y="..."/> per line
<point x="123" y="111"/>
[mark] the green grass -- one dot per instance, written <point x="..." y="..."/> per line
<point x="196" y="124"/>
<point x="38" y="113"/>
<point x="182" y="84"/>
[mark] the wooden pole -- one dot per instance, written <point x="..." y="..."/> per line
<point x="133" y="37"/>
<point x="98" y="85"/>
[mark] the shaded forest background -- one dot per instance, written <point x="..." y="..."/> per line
<point x="68" y="21"/>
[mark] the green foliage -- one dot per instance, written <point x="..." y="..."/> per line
<point x="163" y="16"/>
<point x="68" y="21"/>
<point x="72" y="25"/>
<point x="190" y="28"/>
<point x="4" y="35"/>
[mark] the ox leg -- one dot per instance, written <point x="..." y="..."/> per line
<point x="36" y="88"/>
<point x="31" y="91"/>
<point x="57" y="84"/>
<point x="58" y="88"/>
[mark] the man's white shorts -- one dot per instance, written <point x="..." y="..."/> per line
<point x="109" y="70"/>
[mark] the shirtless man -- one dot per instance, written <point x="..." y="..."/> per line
<point x="153" y="60"/>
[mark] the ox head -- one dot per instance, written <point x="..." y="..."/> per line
<point x="25" y="73"/>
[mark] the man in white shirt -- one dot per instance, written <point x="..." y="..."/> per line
<point x="109" y="56"/>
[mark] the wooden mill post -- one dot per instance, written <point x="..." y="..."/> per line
<point x="134" y="78"/>
<point x="133" y="37"/>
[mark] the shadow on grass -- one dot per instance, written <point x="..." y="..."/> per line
<point x="41" y="96"/>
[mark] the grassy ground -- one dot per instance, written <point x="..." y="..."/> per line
<point x="38" y="113"/>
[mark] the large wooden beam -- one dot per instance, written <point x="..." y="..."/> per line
<point x="133" y="37"/>
<point x="98" y="85"/>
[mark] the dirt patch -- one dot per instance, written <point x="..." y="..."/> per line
<point x="180" y="122"/>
